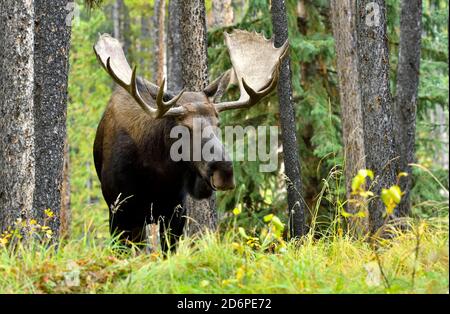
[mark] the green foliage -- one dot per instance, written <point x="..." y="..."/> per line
<point x="315" y="96"/>
<point x="317" y="103"/>
<point x="89" y="90"/>
<point x="430" y="194"/>
<point x="93" y="3"/>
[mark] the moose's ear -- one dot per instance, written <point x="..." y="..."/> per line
<point x="216" y="89"/>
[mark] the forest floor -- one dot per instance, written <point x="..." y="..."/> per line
<point x="414" y="261"/>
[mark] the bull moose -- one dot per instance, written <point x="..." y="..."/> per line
<point x="132" y="144"/>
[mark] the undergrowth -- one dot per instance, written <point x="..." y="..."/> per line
<point x="218" y="263"/>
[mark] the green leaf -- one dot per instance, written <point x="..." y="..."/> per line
<point x="357" y="181"/>
<point x="360" y="178"/>
<point x="243" y="233"/>
<point x="366" y="173"/>
<point x="345" y="214"/>
<point x="268" y="218"/>
<point x="277" y="223"/>
<point x="391" y="198"/>
<point x="385" y="197"/>
<point x="396" y="193"/>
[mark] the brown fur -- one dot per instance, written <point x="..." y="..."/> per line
<point x="131" y="154"/>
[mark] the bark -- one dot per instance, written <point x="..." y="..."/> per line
<point x="125" y="27"/>
<point x="194" y="45"/>
<point x="201" y="215"/>
<point x="158" y="41"/>
<point x="66" y="213"/>
<point x="116" y="19"/>
<point x="288" y="129"/>
<point x="194" y="55"/>
<point x="373" y="59"/>
<point x="223" y="14"/>
<point x="438" y="118"/>
<point x="17" y="175"/>
<point x="442" y="130"/>
<point x="161" y="51"/>
<point x="343" y="17"/>
<point x="121" y="24"/>
<point x="51" y="62"/>
<point x="407" y="92"/>
<point x="175" y="80"/>
<point x="145" y="43"/>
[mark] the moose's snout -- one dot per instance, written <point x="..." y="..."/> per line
<point x="222" y="177"/>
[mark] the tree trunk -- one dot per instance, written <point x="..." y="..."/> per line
<point x="175" y="80"/>
<point x="158" y="41"/>
<point x="407" y="92"/>
<point x="441" y="133"/>
<point x="223" y="14"/>
<point x="116" y="19"/>
<point x="17" y="164"/>
<point x="373" y="59"/>
<point x="343" y="17"/>
<point x="66" y="213"/>
<point x="161" y="34"/>
<point x="288" y="129"/>
<point x="51" y="63"/>
<point x="202" y="214"/>
<point x="145" y="43"/>
<point x="121" y="24"/>
<point x="125" y="27"/>
<point x="194" y="45"/>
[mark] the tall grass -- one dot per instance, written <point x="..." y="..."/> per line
<point x="328" y="260"/>
<point x="218" y="263"/>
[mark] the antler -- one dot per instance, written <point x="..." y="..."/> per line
<point x="256" y="63"/>
<point x="110" y="53"/>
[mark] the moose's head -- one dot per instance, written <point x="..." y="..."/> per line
<point x="256" y="62"/>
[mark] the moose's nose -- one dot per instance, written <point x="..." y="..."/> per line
<point x="222" y="177"/>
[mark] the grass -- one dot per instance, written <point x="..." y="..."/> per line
<point x="225" y="264"/>
<point x="415" y="260"/>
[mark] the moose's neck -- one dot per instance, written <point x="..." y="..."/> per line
<point x="156" y="142"/>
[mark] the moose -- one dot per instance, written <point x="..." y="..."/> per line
<point x="132" y="144"/>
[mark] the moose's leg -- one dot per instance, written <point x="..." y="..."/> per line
<point x="127" y="221"/>
<point x="171" y="228"/>
<point x="126" y="230"/>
